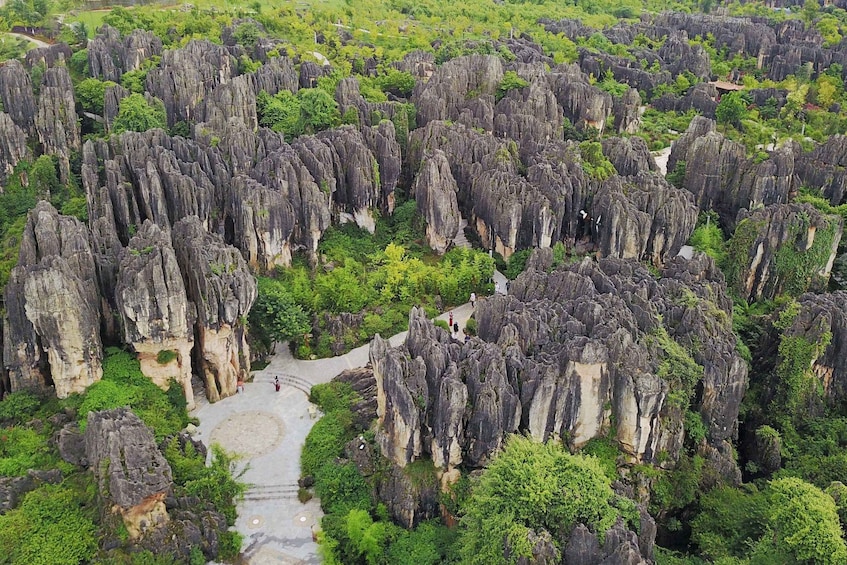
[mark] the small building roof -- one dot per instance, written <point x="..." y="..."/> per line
<point x="724" y="85"/>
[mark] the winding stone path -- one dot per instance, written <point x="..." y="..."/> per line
<point x="268" y="430"/>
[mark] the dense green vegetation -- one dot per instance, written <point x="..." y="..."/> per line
<point x="380" y="277"/>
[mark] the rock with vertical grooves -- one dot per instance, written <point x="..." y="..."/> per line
<point x="263" y="222"/>
<point x="286" y="172"/>
<point x="435" y="193"/>
<point x="565" y="354"/>
<point x="153" y="308"/>
<point x="56" y="121"/>
<point x="52" y="335"/>
<point x="16" y="95"/>
<point x="627" y="112"/>
<point x="187" y="75"/>
<point x="642" y="217"/>
<point x="50" y="56"/>
<point x="783" y="248"/>
<point x="13" y="147"/>
<point x="456" y="88"/>
<point x="629" y="155"/>
<point x="583" y="104"/>
<point x="222" y="290"/>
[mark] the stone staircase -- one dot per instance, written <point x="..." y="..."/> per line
<point x="271" y="492"/>
<point x="296" y="382"/>
<point x="460" y="240"/>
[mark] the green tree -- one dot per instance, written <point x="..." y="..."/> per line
<point x="135" y="114"/>
<point x="43" y="178"/>
<point x="367" y="537"/>
<point x="281" y="113"/>
<point x="276" y="316"/>
<point x="731" y="109"/>
<point x="90" y="94"/>
<point x="535" y="486"/>
<point x="804" y="526"/>
<point x="318" y="110"/>
<point x="510" y="81"/>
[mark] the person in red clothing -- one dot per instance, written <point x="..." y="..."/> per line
<point x="450" y="323"/>
<point x="276" y="383"/>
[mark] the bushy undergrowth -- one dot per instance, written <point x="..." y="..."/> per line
<point x="380" y="276"/>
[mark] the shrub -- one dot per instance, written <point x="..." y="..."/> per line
<point x="517" y="263"/>
<point x="470" y="326"/>
<point x="48" y="528"/>
<point x="22" y="449"/>
<point x="165" y="356"/>
<point x="342" y="488"/>
<point x="325" y="442"/>
<point x="19" y="407"/>
<point x="135" y="114"/>
<point x="218" y="484"/>
<point x="510" y="81"/>
<point x="123" y="384"/>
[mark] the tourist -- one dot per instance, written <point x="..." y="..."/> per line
<point x="239" y="386"/>
<point x="473" y="300"/>
<point x="450" y="323"/>
<point x="276" y="384"/>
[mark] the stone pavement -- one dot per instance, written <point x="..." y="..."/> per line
<point x="268" y="430"/>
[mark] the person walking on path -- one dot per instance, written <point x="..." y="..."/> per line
<point x="450" y="323"/>
<point x="239" y="386"/>
<point x="473" y="300"/>
<point x="276" y="383"/>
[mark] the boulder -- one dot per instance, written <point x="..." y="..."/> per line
<point x="134" y="477"/>
<point x="13" y="489"/>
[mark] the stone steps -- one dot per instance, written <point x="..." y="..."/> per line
<point x="271" y="492"/>
<point x="299" y="383"/>
<point x="460" y="240"/>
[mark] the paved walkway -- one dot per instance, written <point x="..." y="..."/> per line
<point x="268" y="429"/>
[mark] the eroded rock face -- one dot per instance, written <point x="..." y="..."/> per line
<point x="222" y="290"/>
<point x="461" y="90"/>
<point x="154" y="310"/>
<point x="52" y="333"/>
<point x="435" y="193"/>
<point x="783" y="248"/>
<point x="819" y="315"/>
<point x="16" y="95"/>
<point x="263" y="223"/>
<point x="642" y="217"/>
<point x="56" y="121"/>
<point x="109" y="55"/>
<point x="565" y="353"/>
<point x="721" y="177"/>
<point x="13" y="147"/>
<point x="186" y="74"/>
<point x="133" y="475"/>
